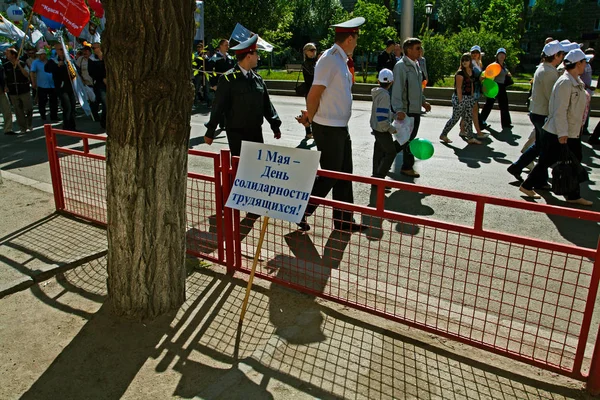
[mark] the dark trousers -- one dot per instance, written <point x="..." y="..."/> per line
<point x="44" y="96"/>
<point x="236" y="136"/>
<point x="408" y="160"/>
<point x="502" y="104"/>
<point x="549" y="155"/>
<point x="67" y="102"/>
<point x="535" y="149"/>
<point x="101" y="103"/>
<point x="336" y="155"/>
<point x="384" y="153"/>
<point x="596" y="134"/>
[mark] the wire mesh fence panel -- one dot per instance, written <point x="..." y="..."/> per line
<point x="521" y="301"/>
<point x="84" y="186"/>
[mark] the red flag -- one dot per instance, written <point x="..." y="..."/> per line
<point x="96" y="5"/>
<point x="74" y="14"/>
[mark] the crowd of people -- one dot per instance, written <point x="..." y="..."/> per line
<point x="558" y="108"/>
<point x="42" y="77"/>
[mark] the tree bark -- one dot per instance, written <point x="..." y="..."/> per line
<point x="147" y="49"/>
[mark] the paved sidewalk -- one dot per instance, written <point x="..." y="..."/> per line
<point x="58" y="340"/>
<point x="36" y="243"/>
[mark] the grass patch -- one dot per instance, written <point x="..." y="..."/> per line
<point x="521" y="80"/>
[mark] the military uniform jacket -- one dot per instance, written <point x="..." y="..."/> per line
<point x="220" y="64"/>
<point x="244" y="101"/>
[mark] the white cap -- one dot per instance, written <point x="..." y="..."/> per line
<point x="553" y="47"/>
<point x="501" y="50"/>
<point x="385" y="76"/>
<point x="574" y="56"/>
<point x="568" y="46"/>
<point x="475" y="48"/>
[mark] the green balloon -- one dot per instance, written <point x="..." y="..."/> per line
<point x="490" y="88"/>
<point x="421" y="148"/>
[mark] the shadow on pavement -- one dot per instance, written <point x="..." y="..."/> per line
<point x="28" y="149"/>
<point x="335" y="356"/>
<point x="41" y="248"/>
<point x="474" y="155"/>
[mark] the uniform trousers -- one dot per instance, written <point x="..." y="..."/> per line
<point x="236" y="136"/>
<point x="336" y="155"/>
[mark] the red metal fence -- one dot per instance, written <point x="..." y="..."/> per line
<point x="528" y="299"/>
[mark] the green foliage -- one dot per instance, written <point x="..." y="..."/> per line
<point x="443" y="53"/>
<point x="439" y="57"/>
<point x="375" y="30"/>
<point x="503" y="18"/>
<point x="489" y="43"/>
<point x="455" y="15"/>
<point x="547" y="18"/>
<point x="258" y="15"/>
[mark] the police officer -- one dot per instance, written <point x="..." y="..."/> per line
<point x="242" y="98"/>
<point x="220" y="63"/>
<point x="329" y="107"/>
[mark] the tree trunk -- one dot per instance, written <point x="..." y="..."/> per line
<point x="147" y="50"/>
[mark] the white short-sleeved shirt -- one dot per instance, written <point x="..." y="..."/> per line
<point x="332" y="72"/>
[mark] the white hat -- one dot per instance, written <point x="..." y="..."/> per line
<point x="501" y="50"/>
<point x="553" y="47"/>
<point x="568" y="46"/>
<point x="574" y="56"/>
<point x="475" y="48"/>
<point x="386" y="76"/>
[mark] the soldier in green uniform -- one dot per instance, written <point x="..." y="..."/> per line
<point x="243" y="99"/>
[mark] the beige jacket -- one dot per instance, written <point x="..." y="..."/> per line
<point x="544" y="79"/>
<point x="567" y="106"/>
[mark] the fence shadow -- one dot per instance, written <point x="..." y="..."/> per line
<point x="49" y="244"/>
<point x="194" y="349"/>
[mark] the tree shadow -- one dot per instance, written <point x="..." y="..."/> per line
<point x="475" y="155"/>
<point x="314" y="349"/>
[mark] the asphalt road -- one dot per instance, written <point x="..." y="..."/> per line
<point x="467" y="168"/>
<point x="460" y="167"/>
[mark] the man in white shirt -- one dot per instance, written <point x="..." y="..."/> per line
<point x="329" y="107"/>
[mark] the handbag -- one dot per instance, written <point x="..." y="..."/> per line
<point x="301" y="89"/>
<point x="508" y="81"/>
<point x="567" y="173"/>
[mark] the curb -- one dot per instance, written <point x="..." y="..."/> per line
<point x="43" y="186"/>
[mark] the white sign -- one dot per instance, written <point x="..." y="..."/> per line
<point x="274" y="181"/>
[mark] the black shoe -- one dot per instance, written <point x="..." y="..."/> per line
<point x="514" y="171"/>
<point x="509" y="126"/>
<point x="347" y="226"/>
<point x="483" y="125"/>
<point x="10" y="133"/>
<point x="542" y="187"/>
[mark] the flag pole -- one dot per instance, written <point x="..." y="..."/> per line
<point x="251" y="279"/>
<point x="24" y="37"/>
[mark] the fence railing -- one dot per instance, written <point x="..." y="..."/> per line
<point x="525" y="298"/>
